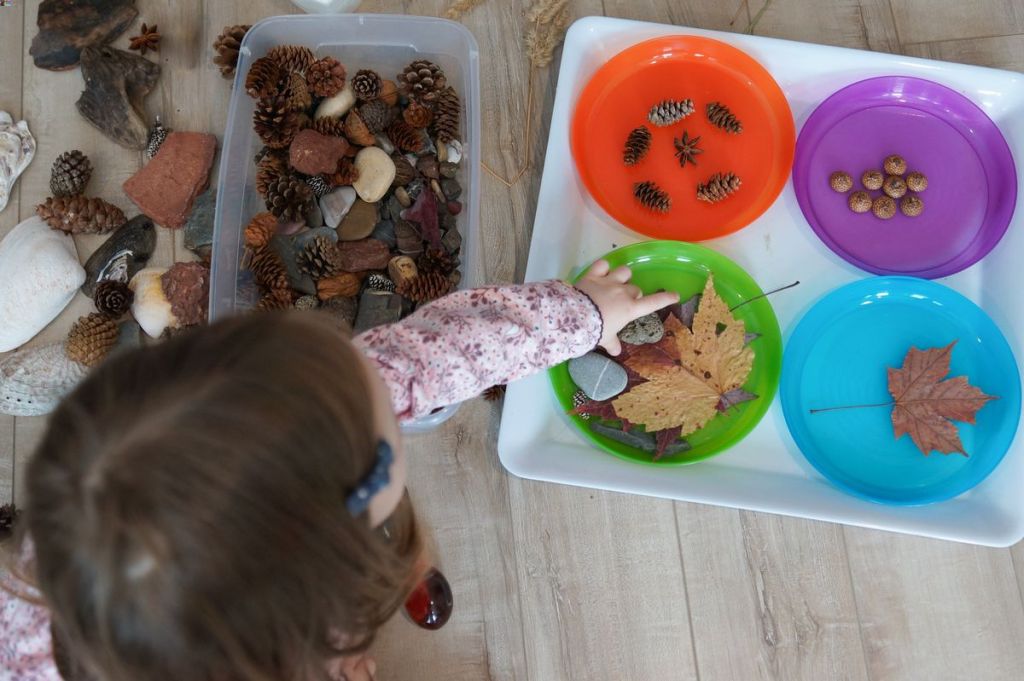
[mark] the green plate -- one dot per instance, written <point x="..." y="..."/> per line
<point x="684" y="268"/>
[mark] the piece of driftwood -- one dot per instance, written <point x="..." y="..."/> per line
<point x="116" y="82"/>
<point x="68" y="26"/>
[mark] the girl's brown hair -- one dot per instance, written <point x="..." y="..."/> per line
<point x="187" y="508"/>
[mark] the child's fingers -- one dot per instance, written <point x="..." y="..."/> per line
<point x="633" y="291"/>
<point x="598" y="269"/>
<point x="654" y="302"/>
<point x="621" y="274"/>
<point x="612" y="346"/>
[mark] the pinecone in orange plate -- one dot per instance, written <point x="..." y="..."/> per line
<point x="422" y="80"/>
<point x="265" y="78"/>
<point x="377" y="115"/>
<point x="406" y="137"/>
<point x="91" y="338"/>
<point x="259" y="230"/>
<point x="718" y="187"/>
<point x="652" y="197"/>
<point x="326" y="77"/>
<point x="448" y="109"/>
<point x="269" y="271"/>
<point x="113" y="298"/>
<point x="720" y="116"/>
<point x="292" y="57"/>
<point x="425" y="287"/>
<point x="366" y="84"/>
<point x="417" y="115"/>
<point x="275" y="122"/>
<point x="226" y="46"/>
<point x="80" y="214"/>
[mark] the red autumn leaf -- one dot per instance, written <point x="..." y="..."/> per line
<point x="664" y="438"/>
<point x="925" y="405"/>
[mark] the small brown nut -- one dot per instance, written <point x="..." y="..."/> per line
<point x="894" y="165"/>
<point x="872" y="179"/>
<point x="894" y="186"/>
<point x="840" y="181"/>
<point x="917" y="182"/>
<point x="884" y="207"/>
<point x="860" y="202"/>
<point x="912" y="206"/>
<point x="402" y="268"/>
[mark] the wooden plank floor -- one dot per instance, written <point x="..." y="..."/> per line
<point x="562" y="583"/>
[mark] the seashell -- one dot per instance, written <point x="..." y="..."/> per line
<point x="151" y="308"/>
<point x="39" y="274"/>
<point x="454" y="152"/>
<point x="17" y="148"/>
<point x="376" y="172"/>
<point x="34" y="380"/>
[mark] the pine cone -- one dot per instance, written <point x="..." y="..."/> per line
<point x="343" y="284"/>
<point x="299" y="98"/>
<point x="8" y="519"/>
<point x="721" y="117"/>
<point x="275" y="122"/>
<point x="356" y="130"/>
<point x="269" y="271"/>
<point x="226" y="46"/>
<point x="417" y="115"/>
<point x="652" y="196"/>
<point x="424" y="287"/>
<point x="91" y="338"/>
<point x="346" y="174"/>
<point x="113" y="298"/>
<point x="405" y="137"/>
<point x="422" y="80"/>
<point x="70" y="173"/>
<point x="405" y="172"/>
<point x="260" y="229"/>
<point x="265" y="78"/>
<point x="157" y="134"/>
<point x="378" y="282"/>
<point x="436" y="260"/>
<point x="638" y="143"/>
<point x="292" y="57"/>
<point x="320" y="258"/>
<point x="270" y="168"/>
<point x="670" y="111"/>
<point x="449" y="108"/>
<point x="718" y="187"/>
<point x="319" y="185"/>
<point x="330" y="126"/>
<point x="366" y="84"/>
<point x="326" y="77"/>
<point x="80" y="215"/>
<point x="276" y="299"/>
<point x="377" y="115"/>
<point x="289" y="198"/>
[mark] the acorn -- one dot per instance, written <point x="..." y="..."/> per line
<point x="912" y="206"/>
<point x="894" y="165"/>
<point x="840" y="181"/>
<point x="917" y="182"/>
<point x="872" y="179"/>
<point x="884" y="207"/>
<point x="860" y="202"/>
<point x="894" y="186"/>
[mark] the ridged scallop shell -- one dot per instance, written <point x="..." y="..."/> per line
<point x="17" y="147"/>
<point x="34" y="380"/>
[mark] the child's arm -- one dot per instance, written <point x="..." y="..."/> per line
<point x="457" y="346"/>
<point x="26" y="651"/>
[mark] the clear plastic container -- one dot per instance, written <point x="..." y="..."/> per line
<point x="385" y="43"/>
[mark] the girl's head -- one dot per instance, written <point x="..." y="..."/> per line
<point x="188" y="507"/>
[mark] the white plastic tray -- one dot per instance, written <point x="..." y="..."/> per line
<point x="765" y="472"/>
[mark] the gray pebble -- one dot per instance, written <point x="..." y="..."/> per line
<point x="644" y="330"/>
<point x="298" y="280"/>
<point x="452" y="241"/>
<point x="449" y="170"/>
<point x="385" y="231"/>
<point x="451" y="188"/>
<point x="596" y="375"/>
<point x="376" y="309"/>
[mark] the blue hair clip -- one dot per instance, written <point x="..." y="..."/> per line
<point x="376" y="480"/>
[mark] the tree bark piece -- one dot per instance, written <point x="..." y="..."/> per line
<point x="68" y="26"/>
<point x="116" y="82"/>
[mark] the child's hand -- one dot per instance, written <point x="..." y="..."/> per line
<point x="618" y="301"/>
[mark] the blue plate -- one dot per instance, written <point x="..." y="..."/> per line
<point x="838" y="355"/>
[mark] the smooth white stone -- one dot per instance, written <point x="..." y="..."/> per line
<point x="336" y="204"/>
<point x="338" y="105"/>
<point x="151" y="308"/>
<point x="376" y="173"/>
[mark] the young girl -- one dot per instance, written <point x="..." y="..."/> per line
<point x="230" y="504"/>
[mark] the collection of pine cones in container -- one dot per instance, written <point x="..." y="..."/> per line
<point x="358" y="177"/>
<point x="667" y="113"/>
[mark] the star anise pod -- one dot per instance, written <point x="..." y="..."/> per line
<point x="687" y="149"/>
<point x="149" y="39"/>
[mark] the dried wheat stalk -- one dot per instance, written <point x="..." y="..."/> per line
<point x="459" y="7"/>
<point x="548" y="20"/>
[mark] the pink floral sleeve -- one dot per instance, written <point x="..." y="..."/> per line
<point x="26" y="650"/>
<point x="457" y="346"/>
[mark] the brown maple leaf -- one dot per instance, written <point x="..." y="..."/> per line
<point x="689" y="370"/>
<point x="925" y="405"/>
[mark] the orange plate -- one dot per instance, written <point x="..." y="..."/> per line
<point x="620" y="94"/>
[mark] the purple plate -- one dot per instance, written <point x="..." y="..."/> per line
<point x="972" y="181"/>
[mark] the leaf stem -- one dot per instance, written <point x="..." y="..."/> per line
<point x="763" y="295"/>
<point x="854" y="406"/>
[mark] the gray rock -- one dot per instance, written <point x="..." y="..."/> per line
<point x="634" y="438"/>
<point x="646" y="329"/>
<point x="449" y="170"/>
<point x="300" y="240"/>
<point x="315" y="216"/>
<point x="452" y="241"/>
<point x="123" y="254"/>
<point x="596" y="375"/>
<point x="199" y="226"/>
<point x="449" y="222"/>
<point x="391" y="208"/>
<point x="376" y="309"/>
<point x="247" y="291"/>
<point x="451" y="188"/>
<point x="336" y="205"/>
<point x="298" y="280"/>
<point x="385" y="231"/>
<point x="341" y="310"/>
